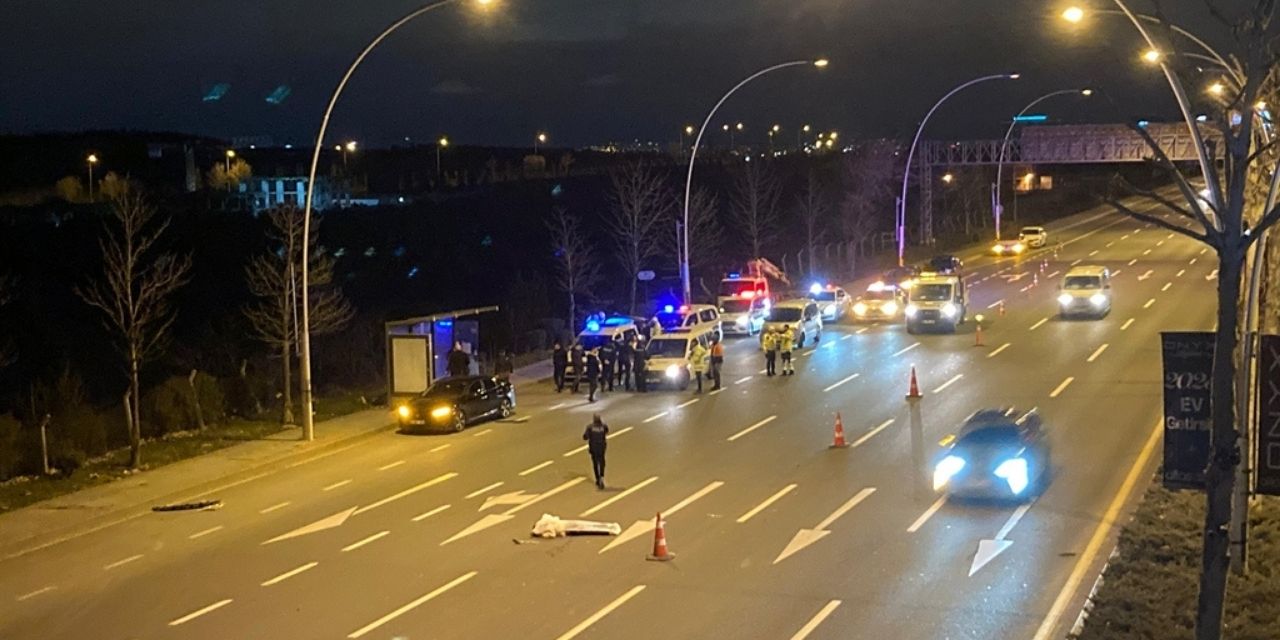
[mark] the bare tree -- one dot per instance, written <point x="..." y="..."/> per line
<point x="577" y="269"/>
<point x="868" y="192"/>
<point x="1230" y="226"/>
<point x="274" y="279"/>
<point x="222" y="177"/>
<point x="704" y="228"/>
<point x="756" y="191"/>
<point x="639" y="206"/>
<point x="813" y="209"/>
<point x="135" y="292"/>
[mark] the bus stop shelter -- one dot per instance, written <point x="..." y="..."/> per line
<point x="416" y="348"/>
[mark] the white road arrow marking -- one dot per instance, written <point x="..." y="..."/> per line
<point x="806" y="537"/>
<point x="1146" y="275"/>
<point x="989" y="549"/>
<point x="335" y="520"/>
<point x="1015" y="277"/>
<point x="641" y="527"/>
<point x="494" y="519"/>
<point x="515" y="497"/>
<point x="1212" y="275"/>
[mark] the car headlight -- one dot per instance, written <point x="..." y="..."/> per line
<point x="1064" y="299"/>
<point x="831" y="308"/>
<point x="1098" y="299"/>
<point x="442" y="412"/>
<point x="999" y="248"/>
<point x="860" y="308"/>
<point x="889" y="308"/>
<point x="950" y="310"/>
<point x="741" y="321"/>
<point x="946" y="469"/>
<point x="673" y="371"/>
<point x="906" y="284"/>
<point x="404" y="411"/>
<point x="1019" y="248"/>
<point x="911" y="310"/>
<point x="1013" y="471"/>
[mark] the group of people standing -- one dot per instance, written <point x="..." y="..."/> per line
<point x="774" y="342"/>
<point x="707" y="362"/>
<point x="613" y="363"/>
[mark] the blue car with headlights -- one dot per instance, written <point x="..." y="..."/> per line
<point x="998" y="454"/>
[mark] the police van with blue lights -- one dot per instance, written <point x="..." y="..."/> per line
<point x="599" y="331"/>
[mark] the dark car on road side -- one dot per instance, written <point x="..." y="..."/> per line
<point x="947" y="264"/>
<point x="452" y="403"/>
<point x="998" y="454"/>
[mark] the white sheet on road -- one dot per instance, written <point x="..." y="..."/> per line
<point x="549" y="526"/>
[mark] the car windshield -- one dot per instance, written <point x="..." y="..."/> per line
<point x="448" y="388"/>
<point x="670" y="320"/>
<point x="1082" y="282"/>
<point x="784" y="314"/>
<point x="668" y="348"/>
<point x="736" y="305"/>
<point x="993" y="435"/>
<point x="824" y="296"/>
<point x="1032" y="231"/>
<point x="943" y="263"/>
<point x="931" y="292"/>
<point x="883" y="294"/>
<point x="592" y="342"/>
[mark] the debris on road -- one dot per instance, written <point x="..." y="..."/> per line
<point x="202" y="505"/>
<point x="549" y="526"/>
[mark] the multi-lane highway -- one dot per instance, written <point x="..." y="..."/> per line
<point x="776" y="534"/>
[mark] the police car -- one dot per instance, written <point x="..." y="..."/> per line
<point x="880" y="301"/>
<point x="832" y="301"/>
<point x="599" y="331"/>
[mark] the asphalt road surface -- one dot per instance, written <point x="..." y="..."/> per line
<point x="775" y="534"/>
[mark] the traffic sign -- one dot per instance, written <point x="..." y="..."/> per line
<point x="1267" y="444"/>
<point x="1188" y="369"/>
<point x="645" y="276"/>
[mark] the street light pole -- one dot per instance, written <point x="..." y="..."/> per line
<point x="304" y="332"/>
<point x="440" y="145"/>
<point x="693" y="155"/>
<point x="998" y="205"/>
<point x="901" y="222"/>
<point x="91" y="160"/>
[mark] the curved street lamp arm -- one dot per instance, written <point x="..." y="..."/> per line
<point x="304" y="334"/>
<point x="906" y="173"/>
<point x="1213" y="56"/>
<point x="693" y="155"/>
<point x="1004" y="145"/>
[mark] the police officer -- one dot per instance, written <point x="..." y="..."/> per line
<point x="559" y="362"/>
<point x="786" y="344"/>
<point x="593" y="374"/>
<point x="639" y="367"/>
<point x="698" y="362"/>
<point x="596" y="435"/>
<point x="608" y="358"/>
<point x="769" y="342"/>
<point x="717" y="361"/>
<point x="577" y="357"/>
<point x="625" y="351"/>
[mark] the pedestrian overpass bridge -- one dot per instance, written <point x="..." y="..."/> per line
<point x="1071" y="144"/>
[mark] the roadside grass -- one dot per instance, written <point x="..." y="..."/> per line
<point x="1149" y="590"/>
<point x="27" y="490"/>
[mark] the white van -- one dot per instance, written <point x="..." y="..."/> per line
<point x="801" y="314"/>
<point x="1085" y="291"/>
<point x="673" y="318"/>
<point x="668" y="353"/>
<point x="936" y="301"/>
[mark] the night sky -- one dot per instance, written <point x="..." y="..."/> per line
<point x="586" y="71"/>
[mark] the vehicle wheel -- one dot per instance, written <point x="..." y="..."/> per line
<point x="684" y="382"/>
<point x="911" y="330"/>
<point x="505" y="408"/>
<point x="459" y="421"/>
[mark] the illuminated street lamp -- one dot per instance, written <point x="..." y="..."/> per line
<point x="231" y="153"/>
<point x="539" y="139"/>
<point x="693" y="154"/>
<point x="997" y="204"/>
<point x="901" y="223"/>
<point x="1151" y="56"/>
<point x="91" y="160"/>
<point x="802" y="131"/>
<point x="948" y="178"/>
<point x="304" y="331"/>
<point x="440" y="145"/>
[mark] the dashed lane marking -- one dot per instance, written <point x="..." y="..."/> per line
<point x="846" y="336"/>
<point x="628" y="491"/>
<point x="1193" y="260"/>
<point x="904" y="350"/>
<point x="31" y="594"/>
<point x="391" y="465"/>
<point x="1116" y="273"/>
<point x="606" y="610"/>
<point x="1037" y="325"/>
<point x="201" y="534"/>
<point x="360" y="543"/>
<point x="481" y="433"/>
<point x="290" y="573"/>
<point x="411" y="606"/>
<point x="199" y="612"/>
<point x="1132" y="262"/>
<point x="816" y="620"/>
<point x="483" y="490"/>
<point x="862" y="330"/>
<point x="1149" y="303"/>
<point x="1065" y="383"/>
<point x="427" y="514"/>
<point x="928" y="513"/>
<point x="121" y="563"/>
<point x="656" y="416"/>
<point x="1097" y="353"/>
<point x="752" y="428"/>
<point x="1146" y="252"/>
<point x="840" y="382"/>
<point x="1076" y="262"/>
<point x="536" y="467"/>
<point x="949" y="382"/>
<point x="275" y="507"/>
<point x="1053" y="274"/>
<point x="765" y="505"/>
<point x="560" y="405"/>
<point x="870" y="434"/>
<point x="741" y="380"/>
<point x="687" y="403"/>
<point x="1180" y="272"/>
<point x="997" y="350"/>
<point x="1166" y="286"/>
<point x="441" y="447"/>
<point x="1093" y="253"/>
<point x="1126" y="324"/>
<point x="996" y="303"/>
<point x="340" y="483"/>
<point x="608" y="437"/>
<point x="407" y="492"/>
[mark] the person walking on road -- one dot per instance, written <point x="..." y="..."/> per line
<point x="769" y="342"/>
<point x="457" y="361"/>
<point x="504" y="365"/>
<point x="786" y="344"/>
<point x="717" y="361"/>
<point x="608" y="358"/>
<point x="639" y="367"/>
<point x="625" y="353"/>
<point x="597" y="437"/>
<point x="698" y="362"/>
<point x="577" y="358"/>
<point x="593" y="374"/>
<point x="559" y="362"/>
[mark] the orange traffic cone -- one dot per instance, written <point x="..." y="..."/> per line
<point x="914" y="391"/>
<point x="1002" y="308"/>
<point x="977" y="337"/>
<point x="839" y="442"/>
<point x="660" y="552"/>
